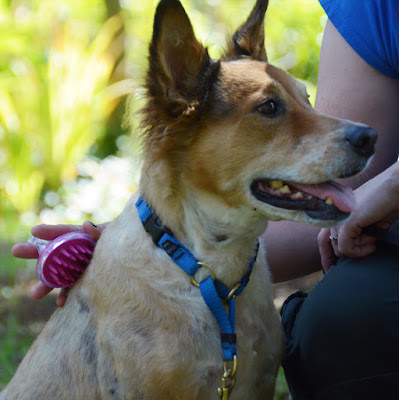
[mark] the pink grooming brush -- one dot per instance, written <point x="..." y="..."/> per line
<point x="63" y="260"/>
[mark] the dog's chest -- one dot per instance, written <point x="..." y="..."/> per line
<point x="259" y="348"/>
<point x="160" y="326"/>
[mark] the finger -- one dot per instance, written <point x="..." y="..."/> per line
<point x="39" y="291"/>
<point x="349" y="235"/>
<point x="92" y="230"/>
<point x="358" y="247"/>
<point x="385" y="225"/>
<point x="51" y="232"/>
<point x="337" y="252"/>
<point x="367" y="249"/>
<point x="334" y="242"/>
<point x="361" y="251"/>
<point x="326" y="250"/>
<point x="328" y="257"/>
<point x="365" y="240"/>
<point x="25" y="250"/>
<point x="62" y="297"/>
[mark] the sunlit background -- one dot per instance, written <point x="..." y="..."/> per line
<point x="68" y="68"/>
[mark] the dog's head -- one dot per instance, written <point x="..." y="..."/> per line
<point x="242" y="131"/>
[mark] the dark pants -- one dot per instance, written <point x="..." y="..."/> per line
<point x="343" y="336"/>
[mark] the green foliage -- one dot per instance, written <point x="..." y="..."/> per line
<point x="294" y="33"/>
<point x="293" y="30"/>
<point x="13" y="344"/>
<point x="54" y="93"/>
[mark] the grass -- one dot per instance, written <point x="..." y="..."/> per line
<point x="21" y="317"/>
<point x="16" y="336"/>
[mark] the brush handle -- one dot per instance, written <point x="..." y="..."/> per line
<point x="40" y="244"/>
<point x="63" y="260"/>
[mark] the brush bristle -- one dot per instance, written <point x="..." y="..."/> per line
<point x="65" y="263"/>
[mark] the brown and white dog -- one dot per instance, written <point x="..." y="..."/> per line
<point x="229" y="145"/>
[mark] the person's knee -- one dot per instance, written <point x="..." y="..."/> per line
<point x="346" y="327"/>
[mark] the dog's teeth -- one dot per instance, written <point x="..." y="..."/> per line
<point x="276" y="184"/>
<point x="329" y="201"/>
<point x="298" y="196"/>
<point x="285" y="189"/>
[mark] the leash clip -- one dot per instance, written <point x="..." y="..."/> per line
<point x="228" y="380"/>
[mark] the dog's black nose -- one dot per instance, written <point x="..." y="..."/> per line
<point x="362" y="139"/>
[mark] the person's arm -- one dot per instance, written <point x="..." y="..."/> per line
<point x="348" y="88"/>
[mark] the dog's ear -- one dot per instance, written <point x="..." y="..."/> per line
<point x="249" y="39"/>
<point x="177" y="60"/>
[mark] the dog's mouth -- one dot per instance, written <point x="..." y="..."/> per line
<point x="323" y="201"/>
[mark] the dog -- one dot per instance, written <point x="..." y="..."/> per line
<point x="228" y="145"/>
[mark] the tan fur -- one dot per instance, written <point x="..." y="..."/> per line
<point x="134" y="327"/>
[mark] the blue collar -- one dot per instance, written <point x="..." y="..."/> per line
<point x="213" y="291"/>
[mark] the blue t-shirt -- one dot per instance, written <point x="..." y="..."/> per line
<point x="371" y="27"/>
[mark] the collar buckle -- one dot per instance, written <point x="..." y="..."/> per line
<point x="155" y="228"/>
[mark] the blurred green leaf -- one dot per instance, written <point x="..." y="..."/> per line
<point x="54" y="102"/>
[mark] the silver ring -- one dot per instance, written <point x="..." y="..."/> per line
<point x="77" y="226"/>
<point x="334" y="238"/>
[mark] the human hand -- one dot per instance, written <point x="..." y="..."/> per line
<point x="51" y="232"/>
<point x="378" y="208"/>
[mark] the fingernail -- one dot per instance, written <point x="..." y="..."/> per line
<point x="93" y="224"/>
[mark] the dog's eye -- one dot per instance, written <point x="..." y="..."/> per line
<point x="270" y="108"/>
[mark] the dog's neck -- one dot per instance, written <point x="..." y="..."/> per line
<point x="221" y="236"/>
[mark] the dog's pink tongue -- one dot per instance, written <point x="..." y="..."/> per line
<point x="342" y="196"/>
